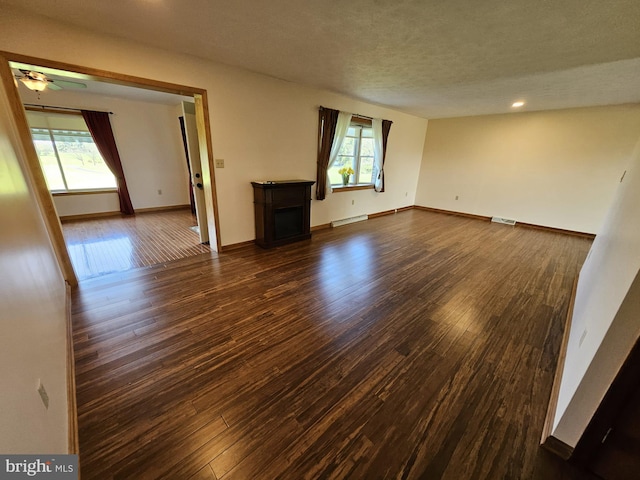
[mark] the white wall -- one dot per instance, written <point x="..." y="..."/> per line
<point x="262" y="127"/>
<point x="70" y="205"/>
<point x="32" y="313"/>
<point x="606" y="318"/>
<point x="266" y="129"/>
<point x="150" y="147"/>
<point x="554" y="168"/>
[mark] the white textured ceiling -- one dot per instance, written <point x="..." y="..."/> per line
<point x="431" y="58"/>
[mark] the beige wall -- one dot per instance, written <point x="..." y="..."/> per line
<point x="32" y="312"/>
<point x="606" y="315"/>
<point x="554" y="168"/>
<point x="262" y="127"/>
<point x="150" y="147"/>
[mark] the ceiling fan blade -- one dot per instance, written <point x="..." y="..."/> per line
<point x="52" y="86"/>
<point x="67" y="84"/>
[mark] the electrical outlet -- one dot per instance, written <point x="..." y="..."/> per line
<point x="219" y="162"/>
<point x="456" y="197"/>
<point x="353" y="202"/>
<point x="43" y="395"/>
<point x="159" y="192"/>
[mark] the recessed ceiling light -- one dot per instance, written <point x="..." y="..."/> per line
<point x="517" y="104"/>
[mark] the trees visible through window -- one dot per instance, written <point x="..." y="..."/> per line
<point x="70" y="160"/>
<point x="356" y="152"/>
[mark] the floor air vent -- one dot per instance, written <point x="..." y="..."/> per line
<point x="345" y="221"/>
<point x="506" y="221"/>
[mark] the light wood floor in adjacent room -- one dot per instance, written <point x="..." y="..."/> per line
<point x="116" y="244"/>
<point x="417" y="345"/>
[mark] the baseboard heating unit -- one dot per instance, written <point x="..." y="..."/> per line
<point x="506" y="221"/>
<point x="346" y="221"/>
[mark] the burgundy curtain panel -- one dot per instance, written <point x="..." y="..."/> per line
<point x="100" y="129"/>
<point x="386" y="127"/>
<point x="327" y="122"/>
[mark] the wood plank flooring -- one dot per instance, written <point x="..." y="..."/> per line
<point x="116" y="244"/>
<point x="418" y="345"/>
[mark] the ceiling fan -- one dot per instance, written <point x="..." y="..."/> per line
<point x="39" y="81"/>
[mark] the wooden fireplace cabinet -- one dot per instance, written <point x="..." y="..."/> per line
<point x="282" y="211"/>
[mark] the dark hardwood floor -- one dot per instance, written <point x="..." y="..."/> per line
<point x="418" y="345"/>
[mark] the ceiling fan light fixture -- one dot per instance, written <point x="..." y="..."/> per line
<point x="518" y="104"/>
<point x="34" y="84"/>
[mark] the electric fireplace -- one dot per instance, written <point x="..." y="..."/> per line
<point x="282" y="211"/>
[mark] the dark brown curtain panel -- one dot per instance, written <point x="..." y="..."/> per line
<point x="100" y="129"/>
<point x="327" y="122"/>
<point x="386" y="127"/>
<point x="192" y="200"/>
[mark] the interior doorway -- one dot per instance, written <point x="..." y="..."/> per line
<point x="200" y="133"/>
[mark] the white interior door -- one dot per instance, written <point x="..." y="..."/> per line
<point x="197" y="183"/>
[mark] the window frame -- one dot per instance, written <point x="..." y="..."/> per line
<point x="360" y="122"/>
<point x="68" y="191"/>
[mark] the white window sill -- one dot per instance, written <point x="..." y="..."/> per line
<point x="83" y="192"/>
<point x="347" y="188"/>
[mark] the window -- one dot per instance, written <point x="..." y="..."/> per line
<point x="70" y="160"/>
<point x="356" y="152"/>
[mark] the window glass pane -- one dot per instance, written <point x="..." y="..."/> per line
<point x="48" y="161"/>
<point x="366" y="147"/>
<point x="352" y="132"/>
<point x="83" y="166"/>
<point x="348" y="147"/>
<point x="367" y="132"/>
<point x="366" y="170"/>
